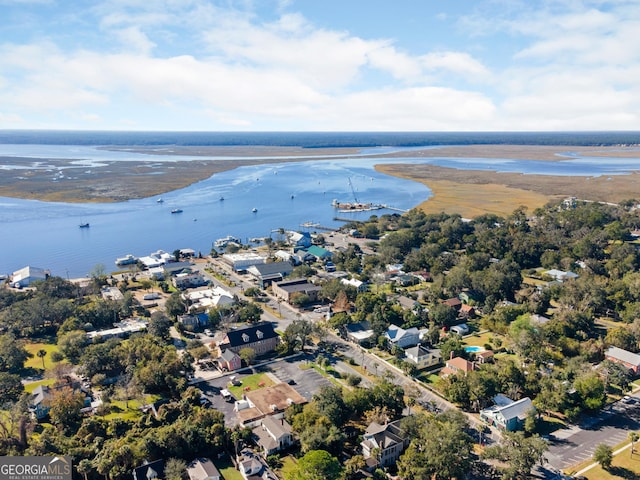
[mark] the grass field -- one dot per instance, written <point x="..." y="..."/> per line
<point x="35" y="362"/>
<point x="253" y="382"/>
<point x="29" y="387"/>
<point x="624" y="466"/>
<point x="227" y="470"/>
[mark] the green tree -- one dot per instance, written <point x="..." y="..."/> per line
<point x="72" y="344"/>
<point x="175" y="469"/>
<point x="160" y="325"/>
<point x="430" y="454"/>
<point x="247" y="354"/>
<point x="175" y="305"/>
<point x="65" y="405"/>
<point x="633" y="438"/>
<point x="12" y="354"/>
<point x="603" y="454"/>
<point x="519" y="453"/>
<point x="11" y="387"/>
<point x="41" y="354"/>
<point x="84" y="467"/>
<point x="316" y="465"/>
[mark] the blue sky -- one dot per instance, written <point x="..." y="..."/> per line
<point x="320" y="65"/>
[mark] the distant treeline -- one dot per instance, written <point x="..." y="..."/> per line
<point x="316" y="139"/>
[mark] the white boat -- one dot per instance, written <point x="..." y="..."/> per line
<point x="126" y="260"/>
<point x="176" y="210"/>
<point x="160" y="200"/>
<point x="254" y="210"/>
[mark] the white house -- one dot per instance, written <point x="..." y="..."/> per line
<point x="423" y="357"/>
<point x="357" y="284"/>
<point x="461" y="329"/>
<point x="508" y="417"/>
<point x="242" y="261"/>
<point x="561" y="276"/>
<point x="402" y="338"/>
<point x="202" y="469"/>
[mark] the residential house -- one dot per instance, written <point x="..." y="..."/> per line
<point x="453" y="302"/>
<point x="466" y="311"/>
<point x="484" y="356"/>
<point x="287" y="289"/>
<point x="384" y="443"/>
<point x="468" y="296"/>
<point x="560" y="275"/>
<point x="628" y="359"/>
<point x="423" y="357"/>
<point x="360" y="333"/>
<point x="149" y="471"/>
<point x="406" y="280"/>
<point x="120" y="329"/>
<point x="188" y="279"/>
<point x="252" y="467"/>
<point x="194" y="321"/>
<point x="229" y="361"/>
<point x="202" y="469"/>
<point x="268" y="401"/>
<point x="319" y="252"/>
<point x="461" y="329"/>
<point x="359" y="285"/>
<point x="204" y="299"/>
<point x="267" y="273"/>
<point x="509" y="417"/>
<point x="273" y="435"/>
<point x="27" y="275"/>
<point x="402" y="338"/>
<point x="262" y="338"/>
<point x="457" y="364"/>
<point x="299" y="239"/>
<point x="173" y="268"/>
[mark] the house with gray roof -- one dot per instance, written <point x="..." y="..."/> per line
<point x="624" y="357"/>
<point x="267" y="273"/>
<point x="202" y="469"/>
<point x="509" y="416"/>
<point x="402" y="338"/>
<point x="387" y="441"/>
<point x="273" y="435"/>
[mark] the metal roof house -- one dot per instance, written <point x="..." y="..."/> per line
<point x="628" y="359"/>
<point x="262" y="338"/>
<point x="509" y="417"/>
<point x="266" y="273"/>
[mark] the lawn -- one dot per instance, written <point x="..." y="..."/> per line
<point x="30" y="387"/>
<point x="119" y="408"/>
<point x="624" y="466"/>
<point x="227" y="470"/>
<point x="288" y="465"/>
<point x="479" y="340"/>
<point x="252" y="382"/>
<point x="35" y="362"/>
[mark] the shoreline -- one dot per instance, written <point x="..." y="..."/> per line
<point x="467" y="192"/>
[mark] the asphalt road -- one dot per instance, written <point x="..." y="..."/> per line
<point x="572" y="446"/>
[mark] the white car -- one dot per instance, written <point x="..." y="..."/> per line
<point x="208" y="332"/>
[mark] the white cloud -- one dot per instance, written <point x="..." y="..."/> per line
<point x="456" y="62"/>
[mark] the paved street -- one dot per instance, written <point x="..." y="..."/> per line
<point x="572" y="446"/>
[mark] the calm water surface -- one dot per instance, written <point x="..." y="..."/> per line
<point x="286" y="195"/>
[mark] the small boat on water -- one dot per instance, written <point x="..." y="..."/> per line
<point x="176" y="210"/>
<point x="160" y="200"/>
<point x="222" y="199"/>
<point x="84" y="225"/>
<point x="254" y="210"/>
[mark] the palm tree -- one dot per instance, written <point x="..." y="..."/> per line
<point x="84" y="467"/>
<point x="633" y="436"/>
<point x="41" y="354"/>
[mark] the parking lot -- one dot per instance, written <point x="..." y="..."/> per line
<point x="306" y="381"/>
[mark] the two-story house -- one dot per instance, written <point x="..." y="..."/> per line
<point x="262" y="338"/>
<point x="384" y="443"/>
